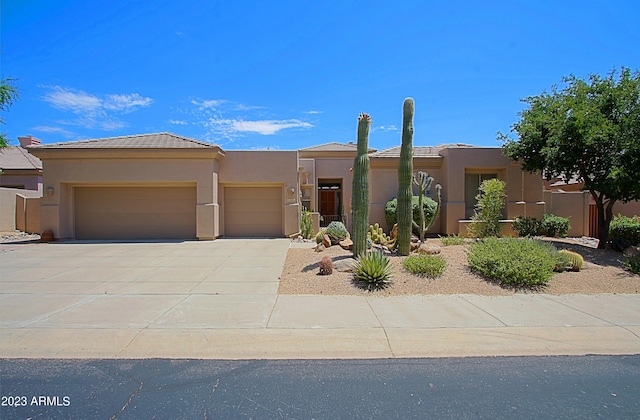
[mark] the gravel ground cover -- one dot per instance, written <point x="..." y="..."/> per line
<point x="601" y="273"/>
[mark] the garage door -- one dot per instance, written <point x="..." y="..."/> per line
<point x="253" y="212"/>
<point x="135" y="212"/>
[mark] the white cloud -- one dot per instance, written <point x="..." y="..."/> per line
<point x="53" y="130"/>
<point x="94" y="111"/>
<point x="126" y="103"/>
<point x="268" y="127"/>
<point x="72" y="100"/>
<point x="178" y="122"/>
<point x="208" y="104"/>
<point x="313" y="111"/>
<point x="386" y="128"/>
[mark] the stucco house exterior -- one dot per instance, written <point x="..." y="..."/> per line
<point x="165" y="186"/>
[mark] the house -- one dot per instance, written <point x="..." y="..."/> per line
<point x="20" y="178"/>
<point x="18" y="168"/>
<point x="164" y="186"/>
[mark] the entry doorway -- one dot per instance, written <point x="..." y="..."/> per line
<point x="330" y="200"/>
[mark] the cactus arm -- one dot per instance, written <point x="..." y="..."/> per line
<point x="360" y="187"/>
<point x="405" y="173"/>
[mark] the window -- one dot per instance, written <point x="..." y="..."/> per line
<point x="471" y="186"/>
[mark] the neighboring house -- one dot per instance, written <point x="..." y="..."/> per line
<point x="20" y="179"/>
<point x="155" y="186"/>
<point x="18" y="168"/>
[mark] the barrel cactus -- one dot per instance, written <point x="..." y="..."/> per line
<point x="360" y="187"/>
<point x="405" y="175"/>
<point x="574" y="260"/>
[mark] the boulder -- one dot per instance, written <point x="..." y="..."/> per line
<point x="346" y="244"/>
<point x="394" y="232"/>
<point x="429" y="249"/>
<point x="326" y="241"/>
<point x="320" y="247"/>
<point x="632" y="251"/>
<point x="345" y="265"/>
<point x="415" y="246"/>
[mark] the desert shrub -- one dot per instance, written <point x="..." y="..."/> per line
<point x="632" y="264"/>
<point x="526" y="226"/>
<point x="624" y="232"/>
<point x="429" y="205"/>
<point x="306" y="224"/>
<point x="513" y="261"/>
<point x="451" y="240"/>
<point x="326" y="266"/>
<point x="373" y="270"/>
<point x="488" y="212"/>
<point x="425" y="265"/>
<point x="554" y="226"/>
<point x="337" y="232"/>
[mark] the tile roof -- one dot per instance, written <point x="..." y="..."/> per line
<point x="16" y="157"/>
<point x="141" y="141"/>
<point x="334" y="147"/>
<point x="418" y="151"/>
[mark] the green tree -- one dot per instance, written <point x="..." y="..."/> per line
<point x="488" y="212"/>
<point x="588" y="130"/>
<point x="8" y="94"/>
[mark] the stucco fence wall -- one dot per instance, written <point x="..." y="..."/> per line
<point x="19" y="209"/>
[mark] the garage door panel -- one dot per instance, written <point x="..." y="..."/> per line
<point x="253" y="211"/>
<point x="135" y="212"/>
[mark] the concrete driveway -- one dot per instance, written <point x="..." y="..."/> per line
<point x="219" y="299"/>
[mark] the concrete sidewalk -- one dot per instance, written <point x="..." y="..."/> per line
<point x="218" y="300"/>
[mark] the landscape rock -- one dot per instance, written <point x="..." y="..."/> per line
<point x="345" y="265"/>
<point x="429" y="249"/>
<point x="320" y="247"/>
<point x="632" y="251"/>
<point x="326" y="241"/>
<point x="347" y="244"/>
<point x="415" y="246"/>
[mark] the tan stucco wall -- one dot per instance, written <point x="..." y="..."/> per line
<point x="8" y="210"/>
<point x="264" y="168"/>
<point x="64" y="171"/>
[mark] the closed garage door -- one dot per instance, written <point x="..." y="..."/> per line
<point x="253" y="211"/>
<point x="135" y="212"/>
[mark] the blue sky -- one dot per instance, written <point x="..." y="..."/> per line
<point x="292" y="74"/>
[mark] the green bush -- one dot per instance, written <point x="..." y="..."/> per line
<point x="527" y="226"/>
<point x="452" y="240"/>
<point x="514" y="261"/>
<point x="373" y="270"/>
<point x="624" y="231"/>
<point x="429" y="205"/>
<point x="554" y="226"/>
<point x="425" y="265"/>
<point x="632" y="264"/>
<point x="488" y="212"/>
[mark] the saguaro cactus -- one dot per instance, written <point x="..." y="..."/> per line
<point x="424" y="181"/>
<point x="405" y="174"/>
<point x="360" y="188"/>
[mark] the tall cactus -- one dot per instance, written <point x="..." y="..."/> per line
<point x="405" y="174"/>
<point x="360" y="188"/>
<point x="423" y="181"/>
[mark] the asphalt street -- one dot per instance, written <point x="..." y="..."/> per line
<point x="494" y="387"/>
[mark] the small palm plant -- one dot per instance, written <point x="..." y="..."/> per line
<point x="373" y="270"/>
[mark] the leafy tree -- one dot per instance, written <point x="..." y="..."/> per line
<point x="488" y="211"/>
<point x="8" y="94"/>
<point x="588" y="130"/>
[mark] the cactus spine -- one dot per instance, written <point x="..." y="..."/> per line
<point x="360" y="188"/>
<point x="405" y="174"/>
<point x="423" y="181"/>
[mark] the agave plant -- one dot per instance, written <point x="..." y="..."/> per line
<point x="373" y="270"/>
